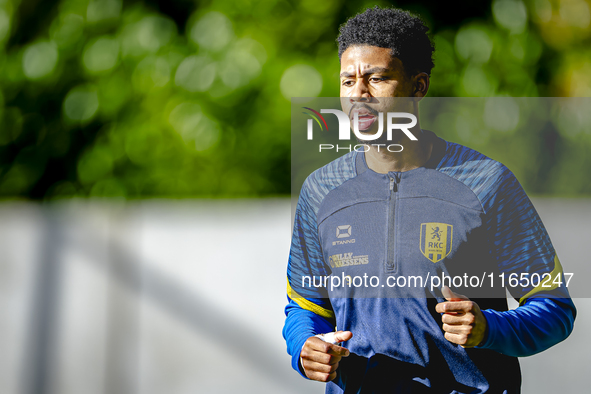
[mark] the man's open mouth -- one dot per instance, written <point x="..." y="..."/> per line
<point x="365" y="119"/>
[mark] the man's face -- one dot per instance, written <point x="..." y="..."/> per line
<point x="370" y="80"/>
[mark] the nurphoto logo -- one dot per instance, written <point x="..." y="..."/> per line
<point x="362" y="120"/>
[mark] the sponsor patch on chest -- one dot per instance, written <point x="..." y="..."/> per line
<point x="347" y="259"/>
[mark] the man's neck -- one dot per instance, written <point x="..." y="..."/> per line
<point x="413" y="155"/>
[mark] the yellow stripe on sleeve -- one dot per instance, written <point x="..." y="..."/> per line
<point x="539" y="288"/>
<point x="308" y="305"/>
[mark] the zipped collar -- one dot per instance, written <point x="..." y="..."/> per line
<point x="439" y="149"/>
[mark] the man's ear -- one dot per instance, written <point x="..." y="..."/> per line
<point x="420" y="85"/>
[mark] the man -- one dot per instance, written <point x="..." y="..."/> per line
<point x="435" y="208"/>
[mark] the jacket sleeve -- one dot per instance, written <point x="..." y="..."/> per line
<point x="523" y="249"/>
<point x="531" y="328"/>
<point x="308" y="311"/>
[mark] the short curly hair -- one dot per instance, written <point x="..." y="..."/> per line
<point x="405" y="34"/>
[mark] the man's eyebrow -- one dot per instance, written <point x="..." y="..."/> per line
<point x="373" y="70"/>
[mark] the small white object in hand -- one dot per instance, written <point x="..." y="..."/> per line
<point x="328" y="337"/>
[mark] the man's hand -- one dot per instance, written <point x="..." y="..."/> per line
<point x="321" y="359"/>
<point x="463" y="321"/>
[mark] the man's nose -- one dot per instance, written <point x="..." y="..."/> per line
<point x="360" y="93"/>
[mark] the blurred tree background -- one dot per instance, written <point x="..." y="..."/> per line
<point x="140" y="99"/>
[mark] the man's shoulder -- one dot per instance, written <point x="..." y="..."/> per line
<point x="332" y="175"/>
<point x="485" y="177"/>
<point x="470" y="166"/>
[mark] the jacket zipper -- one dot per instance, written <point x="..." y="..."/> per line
<point x="391" y="236"/>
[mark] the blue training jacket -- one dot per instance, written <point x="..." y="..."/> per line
<point x="384" y="237"/>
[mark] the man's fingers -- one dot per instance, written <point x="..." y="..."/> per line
<point x="463" y="322"/>
<point x="454" y="307"/>
<point x="342" y="336"/>
<point x="319" y="345"/>
<point x="451" y="296"/>
<point x="321" y="376"/>
<point x="459" y="339"/>
<point x="337" y="350"/>
<point x="313" y="366"/>
<point x="318" y="365"/>
<point x="457" y="329"/>
<point x="458" y="319"/>
<point x="320" y="359"/>
<point x="456" y="303"/>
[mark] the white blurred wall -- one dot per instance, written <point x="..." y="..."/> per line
<point x="183" y="297"/>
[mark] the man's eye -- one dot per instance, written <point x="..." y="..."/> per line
<point x="348" y="83"/>
<point x="376" y="79"/>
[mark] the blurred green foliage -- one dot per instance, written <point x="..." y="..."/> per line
<point x="138" y="99"/>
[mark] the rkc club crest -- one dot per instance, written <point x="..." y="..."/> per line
<point x="436" y="240"/>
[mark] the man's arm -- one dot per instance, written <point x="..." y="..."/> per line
<point x="301" y="324"/>
<point x="520" y="244"/>
<point x="311" y="356"/>
<point x="531" y="328"/>
<point x="309" y="311"/>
